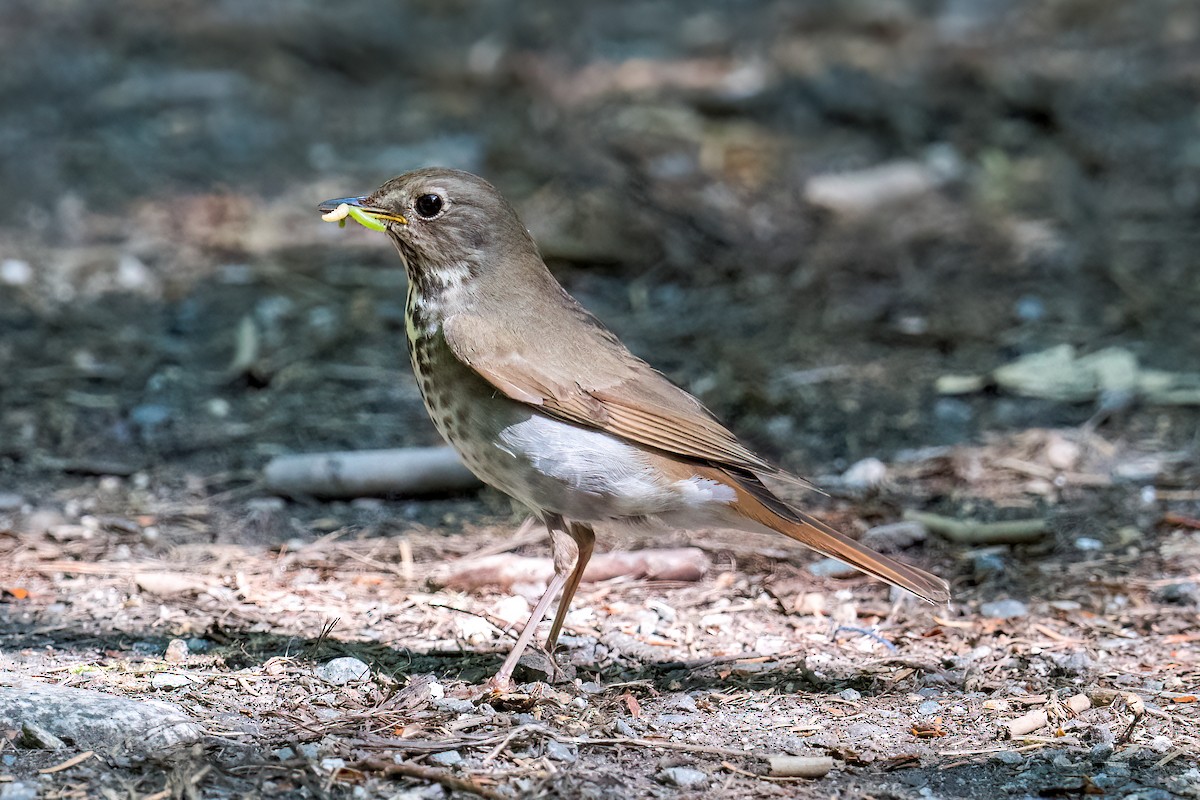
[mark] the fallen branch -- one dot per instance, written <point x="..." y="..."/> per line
<point x="505" y="570"/>
<point x="368" y="473"/>
<point x="1016" y="531"/>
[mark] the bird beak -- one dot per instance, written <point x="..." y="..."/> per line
<point x="338" y="209"/>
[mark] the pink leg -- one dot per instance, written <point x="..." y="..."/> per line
<point x="556" y="526"/>
<point x="585" y="540"/>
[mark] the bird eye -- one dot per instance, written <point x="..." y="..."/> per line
<point x="428" y="205"/>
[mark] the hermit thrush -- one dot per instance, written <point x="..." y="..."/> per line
<point x="545" y="403"/>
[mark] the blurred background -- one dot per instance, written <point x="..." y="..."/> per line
<point x="832" y="221"/>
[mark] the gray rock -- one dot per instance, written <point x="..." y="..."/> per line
<point x="895" y="536"/>
<point x="929" y="707"/>
<point x="866" y="474"/>
<point x="1186" y="593"/>
<point x="832" y="568"/>
<point x="97" y="721"/>
<point x="1010" y="757"/>
<point x="36" y="737"/>
<point x="853" y="695"/>
<point x="19" y="790"/>
<point x="1004" y="609"/>
<point x="170" y="680"/>
<point x="447" y="759"/>
<point x="558" y="751"/>
<point x="454" y="705"/>
<point x="341" y="671"/>
<point x="177" y="651"/>
<point x="683" y="777"/>
<point x="623" y="729"/>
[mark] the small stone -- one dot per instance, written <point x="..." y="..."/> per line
<point x="1074" y="663"/>
<point x="986" y="565"/>
<point x="852" y="695"/>
<point x="177" y="651"/>
<point x="1087" y="544"/>
<point x="18" y="790"/>
<point x="341" y="671"/>
<point x="332" y="765"/>
<point x="830" y="568"/>
<point x="36" y="737"/>
<point x="683" y="777"/>
<point x="1010" y="757"/>
<point x="1004" y="609"/>
<point x="170" y="680"/>
<point x="198" y="645"/>
<point x="1161" y="744"/>
<point x="309" y="750"/>
<point x="558" y="751"/>
<point x="929" y="707"/>
<point x="866" y="474"/>
<point x="447" y="758"/>
<point x="454" y="705"/>
<point x="895" y="536"/>
<point x="682" y="702"/>
<point x="1184" y="593"/>
<point x="285" y="754"/>
<point x="622" y="728"/>
<point x="15" y="272"/>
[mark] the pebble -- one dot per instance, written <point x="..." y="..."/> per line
<point x="1184" y="593"/>
<point x="1004" y="609"/>
<point x="15" y="272"/>
<point x="866" y="474"/>
<point x="1161" y="744"/>
<point x="560" y="752"/>
<point x="683" y="777"/>
<point x="827" y="568"/>
<point x="986" y="565"/>
<point x="1010" y="757"/>
<point x="454" y="705"/>
<point x="929" y="707"/>
<point x="332" y="764"/>
<point x="853" y="695"/>
<point x="177" y="651"/>
<point x="341" y="671"/>
<point x="170" y="680"/>
<point x="19" y="790"/>
<point x="622" y="728"/>
<point x="198" y="645"/>
<point x="895" y="536"/>
<point x="447" y="758"/>
<point x="36" y="737"/>
<point x="1087" y="544"/>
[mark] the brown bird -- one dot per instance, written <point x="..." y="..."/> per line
<point x="544" y="403"/>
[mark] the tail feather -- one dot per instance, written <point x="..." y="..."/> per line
<point x="813" y="533"/>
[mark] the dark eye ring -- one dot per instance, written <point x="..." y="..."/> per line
<point x="428" y="205"/>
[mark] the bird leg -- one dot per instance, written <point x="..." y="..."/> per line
<point x="585" y="540"/>
<point x="562" y="544"/>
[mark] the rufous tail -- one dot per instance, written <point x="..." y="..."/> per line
<point x="757" y="503"/>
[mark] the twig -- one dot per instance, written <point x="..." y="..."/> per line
<point x="406" y="770"/>
<point x="1016" y="531"/>
<point x="70" y="762"/>
<point x="749" y="774"/>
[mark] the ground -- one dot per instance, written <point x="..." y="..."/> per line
<point x="173" y="315"/>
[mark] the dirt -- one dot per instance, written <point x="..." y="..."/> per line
<point x="173" y="314"/>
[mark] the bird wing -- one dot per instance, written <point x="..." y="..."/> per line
<point x="616" y="392"/>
